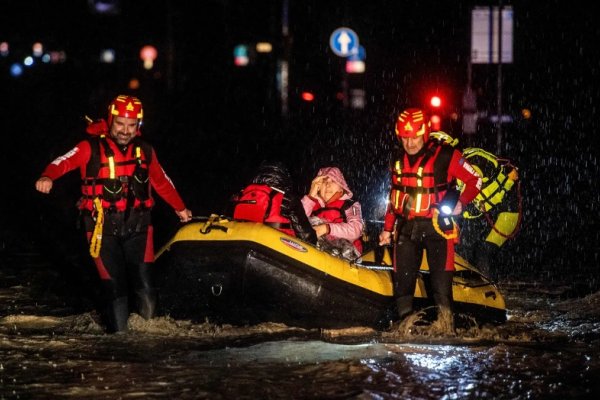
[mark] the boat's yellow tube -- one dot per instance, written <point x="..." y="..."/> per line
<point x="227" y="230"/>
<point x="469" y="286"/>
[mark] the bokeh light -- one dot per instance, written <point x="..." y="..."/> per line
<point x="38" y="49"/>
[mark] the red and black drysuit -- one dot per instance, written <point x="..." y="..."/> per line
<point x="127" y="249"/>
<point x="419" y="183"/>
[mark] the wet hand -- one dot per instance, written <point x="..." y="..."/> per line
<point x="385" y="238"/>
<point x="44" y="185"/>
<point x="184" y="215"/>
<point x="321" y="229"/>
<point x="315" y="186"/>
<point x="458" y="208"/>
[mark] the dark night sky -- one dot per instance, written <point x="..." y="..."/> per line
<point x="215" y="123"/>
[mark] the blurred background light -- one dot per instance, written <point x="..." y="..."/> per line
<point x="355" y="67"/>
<point x="436" y="122"/>
<point x="107" y="56"/>
<point x="264" y="47"/>
<point x="435" y="101"/>
<point x="307" y="96"/>
<point x="38" y="49"/>
<point x="148" y="54"/>
<point x="16" y="70"/>
<point x="57" y="57"/>
<point x="134" y="84"/>
<point x="240" y="55"/>
<point x="358" y="98"/>
<point x="4" y="49"/>
<point x="241" y="61"/>
<point x="110" y="7"/>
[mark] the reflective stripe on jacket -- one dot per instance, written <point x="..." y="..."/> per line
<point x="414" y="187"/>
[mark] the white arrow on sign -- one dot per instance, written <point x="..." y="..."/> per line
<point x="343" y="42"/>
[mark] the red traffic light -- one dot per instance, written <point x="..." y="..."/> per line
<point x="435" y="101"/>
<point x="436" y="123"/>
<point x="307" y="96"/>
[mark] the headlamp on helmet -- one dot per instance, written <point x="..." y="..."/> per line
<point x="127" y="107"/>
<point x="412" y="123"/>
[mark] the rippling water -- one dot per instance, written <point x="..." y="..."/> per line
<point x="52" y="347"/>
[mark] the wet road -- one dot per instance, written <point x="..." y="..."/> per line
<point x="51" y="346"/>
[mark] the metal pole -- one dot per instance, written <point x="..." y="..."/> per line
<point x="499" y="88"/>
<point x="284" y="63"/>
<point x="345" y="89"/>
<point x="170" y="56"/>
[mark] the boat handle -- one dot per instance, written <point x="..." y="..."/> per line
<point x="207" y="229"/>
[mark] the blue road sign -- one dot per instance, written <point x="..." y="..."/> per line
<point x="344" y="42"/>
<point x="359" y="55"/>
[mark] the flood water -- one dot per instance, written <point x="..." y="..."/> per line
<point x="52" y="347"/>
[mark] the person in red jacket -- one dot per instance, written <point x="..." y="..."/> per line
<point x="423" y="199"/>
<point x="119" y="170"/>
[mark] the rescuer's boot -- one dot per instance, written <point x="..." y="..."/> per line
<point x="404" y="305"/>
<point x="117" y="314"/>
<point x="146" y="302"/>
<point x="445" y="315"/>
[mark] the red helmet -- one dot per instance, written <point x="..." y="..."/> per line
<point x="412" y="123"/>
<point x="126" y="106"/>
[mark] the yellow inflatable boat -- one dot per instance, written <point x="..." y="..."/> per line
<point x="227" y="271"/>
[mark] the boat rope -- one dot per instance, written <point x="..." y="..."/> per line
<point x="380" y="267"/>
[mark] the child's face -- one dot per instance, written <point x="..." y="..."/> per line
<point x="329" y="187"/>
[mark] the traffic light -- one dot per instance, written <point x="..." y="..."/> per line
<point x="307" y="96"/>
<point x="436" y="122"/>
<point x="435" y="103"/>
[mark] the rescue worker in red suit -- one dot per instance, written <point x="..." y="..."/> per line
<point x="424" y="174"/>
<point x="282" y="209"/>
<point x="118" y="172"/>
